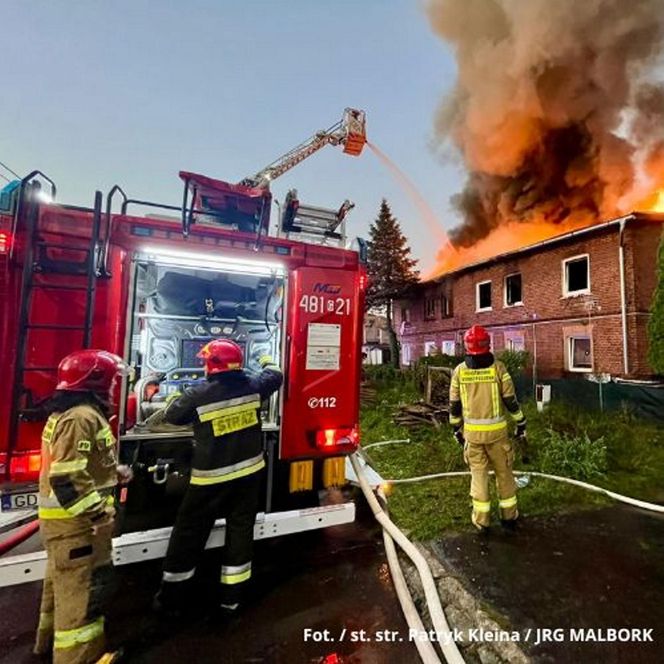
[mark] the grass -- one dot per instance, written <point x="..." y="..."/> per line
<point x="612" y="450"/>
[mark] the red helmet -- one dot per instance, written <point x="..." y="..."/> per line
<point x="221" y="355"/>
<point x="477" y="341"/>
<point x="95" y="371"/>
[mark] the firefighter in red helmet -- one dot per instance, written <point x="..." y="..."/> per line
<point x="481" y="391"/>
<point x="226" y="475"/>
<point x="78" y="476"/>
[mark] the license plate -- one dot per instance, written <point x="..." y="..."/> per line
<point x="18" y="501"/>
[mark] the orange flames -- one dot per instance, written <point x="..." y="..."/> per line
<point x="653" y="203"/>
<point x="518" y="235"/>
<point x="502" y="240"/>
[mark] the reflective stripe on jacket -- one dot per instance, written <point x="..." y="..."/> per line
<point x="225" y="413"/>
<point x="484" y="395"/>
<point x="79" y="462"/>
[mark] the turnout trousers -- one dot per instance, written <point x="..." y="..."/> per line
<point x="77" y="586"/>
<point x="237" y="500"/>
<point x="499" y="457"/>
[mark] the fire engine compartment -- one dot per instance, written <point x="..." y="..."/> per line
<point x="157" y="303"/>
<point x="177" y="309"/>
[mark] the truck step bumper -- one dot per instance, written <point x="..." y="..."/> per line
<point x="152" y="544"/>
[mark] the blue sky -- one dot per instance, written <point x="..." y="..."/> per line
<point x="96" y="93"/>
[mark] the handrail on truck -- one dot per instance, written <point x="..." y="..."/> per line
<point x="102" y="266"/>
<point x="19" y="199"/>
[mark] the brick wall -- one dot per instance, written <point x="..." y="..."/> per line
<point x="553" y="315"/>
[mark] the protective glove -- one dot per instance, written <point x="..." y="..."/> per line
<point x="522" y="441"/>
<point x="521" y="430"/>
<point x="458" y="435"/>
<point x="265" y="360"/>
<point x="125" y="474"/>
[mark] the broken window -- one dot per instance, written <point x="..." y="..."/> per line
<point x="483" y="296"/>
<point x="513" y="290"/>
<point x="430" y="348"/>
<point x="445" y="307"/>
<point x="576" y="275"/>
<point x="429" y="308"/>
<point x="580" y="354"/>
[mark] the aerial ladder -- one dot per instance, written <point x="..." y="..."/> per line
<point x="350" y="132"/>
<point x="247" y="203"/>
<point x="308" y="222"/>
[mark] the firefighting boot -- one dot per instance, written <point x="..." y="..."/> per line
<point x="510" y="526"/>
<point x="482" y="530"/>
<point x="166" y="608"/>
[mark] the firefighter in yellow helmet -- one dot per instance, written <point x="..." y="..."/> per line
<point x="78" y="475"/>
<point x="481" y="391"/>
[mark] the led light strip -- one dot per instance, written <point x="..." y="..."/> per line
<point x="201" y="260"/>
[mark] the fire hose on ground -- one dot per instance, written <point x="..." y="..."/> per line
<point x="391" y="532"/>
<point x="447" y="644"/>
<point x="634" y="502"/>
<point x="424" y="647"/>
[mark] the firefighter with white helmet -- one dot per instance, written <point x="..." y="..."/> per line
<point x="78" y="476"/>
<point x="481" y="391"/>
<point x="227" y="472"/>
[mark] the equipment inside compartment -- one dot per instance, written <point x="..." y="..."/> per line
<point x="178" y="310"/>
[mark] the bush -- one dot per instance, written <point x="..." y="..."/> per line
<point x="436" y="360"/>
<point x="578" y="456"/>
<point x="515" y="361"/>
<point x="385" y="373"/>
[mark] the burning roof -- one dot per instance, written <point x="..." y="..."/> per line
<point x="557" y="113"/>
<point x="475" y="260"/>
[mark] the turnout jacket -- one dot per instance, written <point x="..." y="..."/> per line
<point x="78" y="472"/>
<point x="481" y="390"/>
<point x="225" y="413"/>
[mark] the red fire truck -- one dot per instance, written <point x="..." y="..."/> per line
<point x="154" y="289"/>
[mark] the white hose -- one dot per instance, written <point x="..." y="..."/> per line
<point x="424" y="647"/>
<point x="653" y="507"/>
<point x="442" y="630"/>
<point x="385" y="442"/>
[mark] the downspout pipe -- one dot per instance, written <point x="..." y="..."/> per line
<point x="623" y="294"/>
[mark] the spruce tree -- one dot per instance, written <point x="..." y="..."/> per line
<point x="390" y="268"/>
<point x="656" y="322"/>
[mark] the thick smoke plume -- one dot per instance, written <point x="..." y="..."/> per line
<point x="556" y="110"/>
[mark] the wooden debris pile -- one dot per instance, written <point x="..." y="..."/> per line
<point x="437" y="388"/>
<point x="368" y="394"/>
<point x="420" y="414"/>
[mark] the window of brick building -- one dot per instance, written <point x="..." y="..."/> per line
<point x="430" y="348"/>
<point x="580" y="353"/>
<point x="576" y="275"/>
<point x="448" y="347"/>
<point x="515" y="341"/>
<point x="406" y="357"/>
<point x="483" y="296"/>
<point x="405" y="314"/>
<point x="429" y="308"/>
<point x="445" y="306"/>
<point x="513" y="295"/>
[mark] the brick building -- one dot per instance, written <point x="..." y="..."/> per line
<point x="376" y="341"/>
<point x="578" y="303"/>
